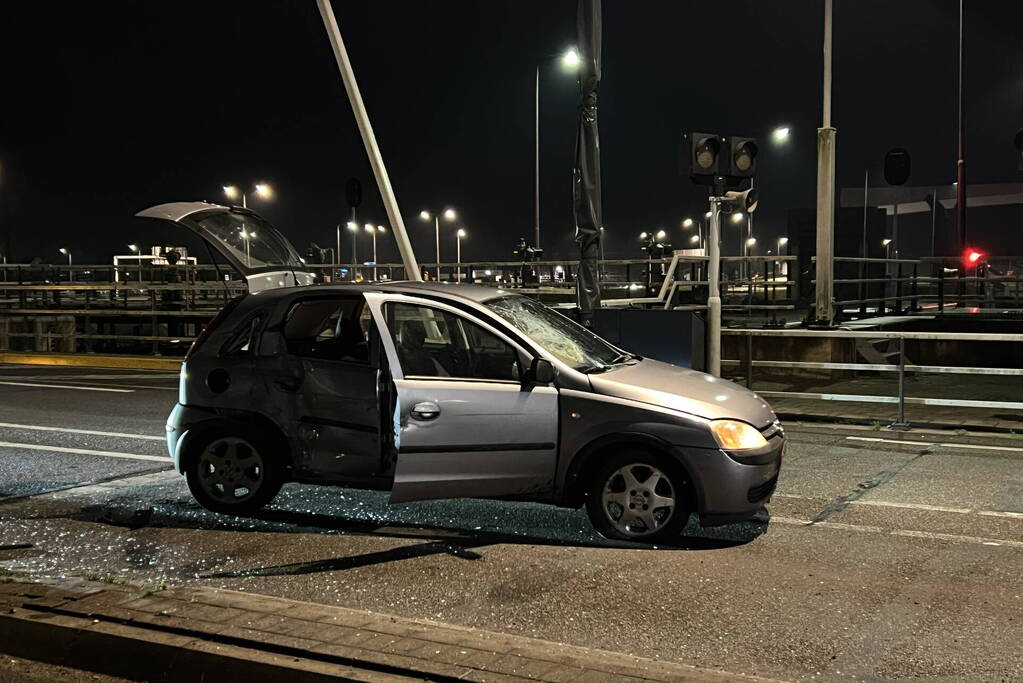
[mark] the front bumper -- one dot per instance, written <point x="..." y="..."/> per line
<point x="728" y="490"/>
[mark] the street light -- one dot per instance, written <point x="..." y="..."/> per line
<point x="449" y="215"/>
<point x="373" y="230"/>
<point x="688" y="223"/>
<point x="569" y="62"/>
<point x="67" y="252"/>
<point x="261" y="190"/>
<point x="660" y="236"/>
<point x="138" y="258"/>
<point x="780" y="135"/>
<point x="887" y="244"/>
<point x="354" y="229"/>
<point x="458" y="251"/>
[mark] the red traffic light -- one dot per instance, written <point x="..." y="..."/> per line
<point x="973" y="256"/>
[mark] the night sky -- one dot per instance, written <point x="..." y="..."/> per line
<point x="109" y="107"/>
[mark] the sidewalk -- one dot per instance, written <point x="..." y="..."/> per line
<point x="184" y="633"/>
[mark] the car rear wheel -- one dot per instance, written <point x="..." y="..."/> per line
<point x="232" y="472"/>
<point x="639" y="496"/>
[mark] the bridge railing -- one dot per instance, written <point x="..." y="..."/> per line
<point x="870" y="352"/>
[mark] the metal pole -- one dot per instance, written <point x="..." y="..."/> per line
<point x="338" y="254"/>
<point x="436" y="235"/>
<point x="866" y="189"/>
<point x="934" y="214"/>
<point x="458" y="255"/>
<point x="961" y="163"/>
<point x="826" y="191"/>
<point x="408" y="257"/>
<point x="355" y="258"/>
<point x="375" y="276"/>
<point x="536" y="161"/>
<point x="714" y="289"/>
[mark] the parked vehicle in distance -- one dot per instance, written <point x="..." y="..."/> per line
<point x="433" y="390"/>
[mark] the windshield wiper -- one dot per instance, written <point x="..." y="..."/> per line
<point x="620" y="359"/>
<point x="623" y="357"/>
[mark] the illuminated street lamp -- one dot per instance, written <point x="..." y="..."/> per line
<point x="373" y="230"/>
<point x="660" y="236"/>
<point x="458" y="251"/>
<point x="67" y="252"/>
<point x="689" y="222"/>
<point x="887" y="244"/>
<point x="569" y="62"/>
<point x="354" y="229"/>
<point x="449" y="215"/>
<point x="138" y="258"/>
<point x="261" y="190"/>
<point x="782" y="241"/>
<point x="780" y="135"/>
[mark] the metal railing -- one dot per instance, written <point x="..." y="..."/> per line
<point x="878" y="286"/>
<point x="898" y="363"/>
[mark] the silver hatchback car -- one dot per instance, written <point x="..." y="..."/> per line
<point x="434" y="391"/>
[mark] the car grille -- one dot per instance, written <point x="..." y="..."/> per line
<point x="761" y="491"/>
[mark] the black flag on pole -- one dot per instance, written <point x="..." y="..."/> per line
<point x="586" y="178"/>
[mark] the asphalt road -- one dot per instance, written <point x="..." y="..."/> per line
<point x="882" y="556"/>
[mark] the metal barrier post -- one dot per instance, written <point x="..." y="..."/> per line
<point x="913" y="290"/>
<point x="749" y="361"/>
<point x="898" y="288"/>
<point x="941" y="288"/>
<point x="900" y="423"/>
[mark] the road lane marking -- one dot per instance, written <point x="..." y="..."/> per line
<point x="1001" y="513"/>
<point x="976" y="447"/>
<point x="67" y="386"/>
<point x="91" y="432"/>
<point x="908" y="533"/>
<point x="84" y="451"/>
<point x="914" y="506"/>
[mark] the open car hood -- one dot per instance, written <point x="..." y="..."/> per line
<point x="246" y="240"/>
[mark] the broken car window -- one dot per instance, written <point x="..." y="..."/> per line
<point x="570" y="342"/>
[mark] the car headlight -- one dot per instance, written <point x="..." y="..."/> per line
<point x="733" y="435"/>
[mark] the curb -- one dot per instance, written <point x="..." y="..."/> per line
<point x="191" y="633"/>
<point x="92" y="360"/>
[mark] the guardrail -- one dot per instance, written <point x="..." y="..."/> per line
<point x="881" y="286"/>
<point x="899" y="364"/>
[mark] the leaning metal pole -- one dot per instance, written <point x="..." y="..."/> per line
<point x="714" y="288"/>
<point x="826" y="192"/>
<point x="408" y="257"/>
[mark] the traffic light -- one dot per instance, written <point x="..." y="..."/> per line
<point x="720" y="161"/>
<point x="742" y="158"/>
<point x="704" y="153"/>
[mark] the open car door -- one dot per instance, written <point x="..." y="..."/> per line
<point x="247" y="241"/>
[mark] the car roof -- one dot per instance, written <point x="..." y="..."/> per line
<point x="447" y="290"/>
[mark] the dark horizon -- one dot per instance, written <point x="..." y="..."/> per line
<point x="112" y="108"/>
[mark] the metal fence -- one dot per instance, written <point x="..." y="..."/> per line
<point x="892" y="360"/>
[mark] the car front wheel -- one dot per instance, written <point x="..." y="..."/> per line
<point x="232" y="473"/>
<point x="638" y="496"/>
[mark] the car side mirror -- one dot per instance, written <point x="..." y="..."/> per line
<point x="541" y="371"/>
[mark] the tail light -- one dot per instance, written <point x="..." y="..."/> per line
<point x="213" y="324"/>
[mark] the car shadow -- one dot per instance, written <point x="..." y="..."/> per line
<point x="568" y="529"/>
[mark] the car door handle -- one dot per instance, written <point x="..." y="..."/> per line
<point x="427" y="410"/>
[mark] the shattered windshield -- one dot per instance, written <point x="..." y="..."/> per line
<point x="570" y="342"/>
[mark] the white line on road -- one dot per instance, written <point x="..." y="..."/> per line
<point x="955" y="538"/>
<point x="91" y="432"/>
<point x="912" y="506"/>
<point x="915" y="506"/>
<point x="67" y="386"/>
<point x="84" y="451"/>
<point x="975" y="447"/>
